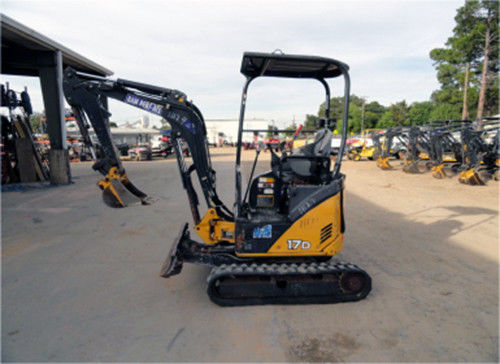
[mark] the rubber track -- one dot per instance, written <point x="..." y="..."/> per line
<point x="282" y="271"/>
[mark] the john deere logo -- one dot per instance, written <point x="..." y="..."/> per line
<point x="265" y="232"/>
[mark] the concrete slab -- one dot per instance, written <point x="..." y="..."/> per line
<point x="80" y="280"/>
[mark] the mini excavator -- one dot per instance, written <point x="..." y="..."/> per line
<point x="480" y="162"/>
<point x="385" y="149"/>
<point x="275" y="246"/>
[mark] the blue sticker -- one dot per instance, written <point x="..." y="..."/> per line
<point x="265" y="232"/>
<point x="188" y="124"/>
<point x="144" y="104"/>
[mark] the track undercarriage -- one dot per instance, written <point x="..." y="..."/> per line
<point x="235" y="281"/>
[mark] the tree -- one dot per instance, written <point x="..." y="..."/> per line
<point x="488" y="26"/>
<point x="373" y="112"/>
<point x="444" y="112"/>
<point x="385" y="121"/>
<point x="310" y="122"/>
<point x="420" y="112"/>
<point x="36" y="122"/>
<point x="396" y="115"/>
<point x="471" y="50"/>
<point x="271" y="131"/>
<point x="112" y="124"/>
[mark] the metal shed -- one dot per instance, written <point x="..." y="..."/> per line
<point x="26" y="52"/>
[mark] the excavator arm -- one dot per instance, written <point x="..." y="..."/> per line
<point x="87" y="94"/>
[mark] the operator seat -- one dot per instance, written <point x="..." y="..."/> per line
<point x="309" y="164"/>
<point x="321" y="146"/>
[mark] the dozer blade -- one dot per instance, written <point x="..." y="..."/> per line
<point x="383" y="163"/>
<point x="118" y="191"/>
<point x="173" y="264"/>
<point x="438" y="171"/>
<point x="470" y="177"/>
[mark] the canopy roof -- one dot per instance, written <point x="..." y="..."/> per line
<point x="21" y="47"/>
<point x="256" y="64"/>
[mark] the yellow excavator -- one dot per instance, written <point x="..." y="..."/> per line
<point x="276" y="245"/>
<point x="364" y="147"/>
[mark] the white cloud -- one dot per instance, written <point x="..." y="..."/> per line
<point x="197" y="46"/>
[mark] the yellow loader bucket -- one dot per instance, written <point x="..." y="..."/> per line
<point x="438" y="171"/>
<point x="383" y="163"/>
<point x="470" y="177"/>
<point x="118" y="191"/>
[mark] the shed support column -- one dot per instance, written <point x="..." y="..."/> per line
<point x="51" y="77"/>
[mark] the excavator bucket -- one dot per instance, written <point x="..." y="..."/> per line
<point x="383" y="163"/>
<point x="470" y="177"/>
<point x="411" y="167"/>
<point x="118" y="191"/>
<point x="438" y="171"/>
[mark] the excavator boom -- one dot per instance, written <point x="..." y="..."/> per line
<point x="87" y="94"/>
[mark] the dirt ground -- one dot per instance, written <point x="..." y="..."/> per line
<point x="80" y="281"/>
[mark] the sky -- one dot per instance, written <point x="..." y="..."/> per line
<point x="196" y="47"/>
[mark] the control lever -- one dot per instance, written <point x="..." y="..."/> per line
<point x="260" y="146"/>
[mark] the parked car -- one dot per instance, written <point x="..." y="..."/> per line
<point x="335" y="145"/>
<point x="123" y="149"/>
<point x="141" y="153"/>
<point x="161" y="146"/>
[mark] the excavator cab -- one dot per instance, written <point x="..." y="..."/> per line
<point x="297" y="177"/>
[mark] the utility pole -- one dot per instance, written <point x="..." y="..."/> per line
<point x="363" y="116"/>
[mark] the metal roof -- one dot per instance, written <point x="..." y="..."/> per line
<point x="19" y="39"/>
<point x="256" y="64"/>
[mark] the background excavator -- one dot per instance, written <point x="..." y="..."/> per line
<point x="364" y="147"/>
<point x="275" y="245"/>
